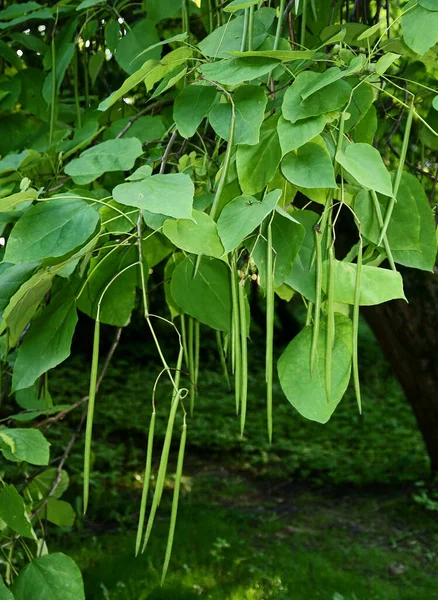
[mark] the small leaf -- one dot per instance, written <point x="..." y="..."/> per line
<point x="306" y="392"/>
<point x="241" y="216"/>
<point x="239" y="5"/>
<point x="237" y="70"/>
<point x="13" y="513"/>
<point x="25" y="444"/>
<point x="310" y="166"/>
<point x="365" y="164"/>
<point x="170" y="194"/>
<point x="249" y="104"/>
<point x="294" y="135"/>
<point x="420" y="28"/>
<point x="12" y="277"/>
<point x="112" y="155"/>
<point x="41" y="485"/>
<point x="385" y="61"/>
<point x="48" y="341"/>
<point x="51" y="229"/>
<point x="5" y="594"/>
<point x="207" y="296"/>
<point x="52" y="577"/>
<point x="191" y="105"/>
<point x="60" y="513"/>
<point x="128" y="52"/>
<point x="198" y="235"/>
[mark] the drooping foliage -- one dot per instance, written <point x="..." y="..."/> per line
<point x="284" y="146"/>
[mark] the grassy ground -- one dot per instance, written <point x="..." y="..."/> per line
<point x="326" y="513"/>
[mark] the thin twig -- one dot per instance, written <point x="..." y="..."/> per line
<point x="167" y="152"/>
<point x="148" y="109"/>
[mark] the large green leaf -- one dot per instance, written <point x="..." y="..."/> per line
<point x="5" y="593"/>
<point x="59" y="512"/>
<point x="307" y="393"/>
<point x="12" y="278"/>
<point x="377" y="285"/>
<point x="191" y="105"/>
<point x="287" y="237"/>
<point x="127" y="51"/>
<point x="294" y="135"/>
<point x="24" y="303"/>
<point x="233" y="71"/>
<point x="13" y="512"/>
<point x="110" y="288"/>
<point x="50" y="229"/>
<point x="241" y="216"/>
<point x="40" y="486"/>
<point x="310" y="166"/>
<point x="329" y="99"/>
<point x="365" y="164"/>
<point x="257" y="165"/>
<point x="207" y="296"/>
<point x="170" y="194"/>
<point x="48" y="341"/>
<point x="249" y="105"/>
<point x="112" y="155"/>
<point x="198" y="235"/>
<point x="329" y="77"/>
<point x="28" y="445"/>
<point x="52" y="577"/>
<point x="228" y="37"/>
<point x="420" y="28"/>
<point x="411" y="230"/>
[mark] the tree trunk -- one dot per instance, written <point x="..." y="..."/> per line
<point x="408" y="336"/>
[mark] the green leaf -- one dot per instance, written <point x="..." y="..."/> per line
<point x="50" y="229"/>
<point x="228" y="37"/>
<point x="95" y="64"/>
<point x="129" y="49"/>
<point x="140" y="173"/>
<point x="310" y="166"/>
<point x="5" y="594"/>
<point x="112" y="34"/>
<point x="241" y="216"/>
<point x="155" y="248"/>
<point x="198" y="235"/>
<point x="420" y="28"/>
<point x="257" y="165"/>
<point x="24" y="303"/>
<point x="429" y="4"/>
<point x="167" y="66"/>
<point x="411" y="230"/>
<point x="191" y="105"/>
<point x="12" y="278"/>
<point x="385" y="61"/>
<point x="146" y="129"/>
<point x="302" y="278"/>
<point x="435" y="103"/>
<point x="18" y="9"/>
<point x="331" y="76"/>
<point x="377" y="285"/>
<point x="35" y="397"/>
<point x="59" y="512"/>
<point x="239" y="5"/>
<point x="329" y="99"/>
<point x="306" y="392"/>
<point x="109" y="287"/>
<point x="12" y="202"/>
<point x="132" y="81"/>
<point x="28" y="445"/>
<point x="233" y="71"/>
<point x="13" y="512"/>
<point x="294" y="135"/>
<point x="365" y="164"/>
<point x="64" y="55"/>
<point x="48" y="341"/>
<point x="287" y="237"/>
<point x="52" y="577"/>
<point x="112" y="155"/>
<point x="33" y="414"/>
<point x="249" y="104"/>
<point x="206" y="297"/>
<point x="366" y="129"/>
<point x="115" y="222"/>
<point x="13" y="161"/>
<point x="89" y="4"/>
<point x="170" y="194"/>
<point x="40" y="486"/>
<point x="171" y="264"/>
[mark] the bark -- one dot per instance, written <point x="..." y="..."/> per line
<point x="408" y="336"/>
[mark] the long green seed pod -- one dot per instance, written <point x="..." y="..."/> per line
<point x="175" y="499"/>
<point x="279" y="24"/>
<point x="356" y="327"/>
<point x="184" y="340"/>
<point x="236" y="345"/>
<point x="330" y="323"/>
<point x="244" y="355"/>
<point x="222" y="358"/>
<point x="146" y="481"/>
<point x="309" y="314"/>
<point x="318" y="292"/>
<point x="401" y="164"/>
<point x="162" y="468"/>
<point x="191" y="364"/>
<point x="269" y="330"/>
<point x="197" y="349"/>
<point x="245" y="29"/>
<point x="90" y="412"/>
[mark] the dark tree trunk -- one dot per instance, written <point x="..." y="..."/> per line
<point x="408" y="336"/>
